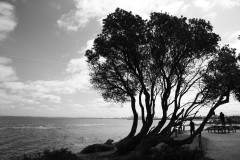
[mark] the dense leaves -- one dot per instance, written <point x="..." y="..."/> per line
<point x="223" y="75"/>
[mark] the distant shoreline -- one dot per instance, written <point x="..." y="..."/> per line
<point x="63" y="117"/>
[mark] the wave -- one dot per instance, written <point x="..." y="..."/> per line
<point x="87" y="124"/>
<point x="28" y="127"/>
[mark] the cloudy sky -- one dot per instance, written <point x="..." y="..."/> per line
<point x="42" y="43"/>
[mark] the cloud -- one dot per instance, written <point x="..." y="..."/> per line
<point x="44" y="92"/>
<point x="89" y="45"/>
<point x="50" y="90"/>
<point x="207" y="5"/>
<point x="55" y="6"/>
<point x="90" y="9"/>
<point x="231" y="38"/>
<point x="7" y="72"/>
<point x="100" y="103"/>
<point x="24" y="93"/>
<point x="185" y="8"/>
<point x="46" y="97"/>
<point x="234" y="42"/>
<point x="211" y="15"/>
<point x="77" y="65"/>
<point x="78" y="68"/>
<point x="7" y="98"/>
<point x="8" y="20"/>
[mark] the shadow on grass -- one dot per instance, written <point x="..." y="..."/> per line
<point x="168" y="153"/>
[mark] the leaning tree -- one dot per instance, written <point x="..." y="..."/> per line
<point x="167" y="62"/>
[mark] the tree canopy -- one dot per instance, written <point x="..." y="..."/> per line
<point x="169" y="62"/>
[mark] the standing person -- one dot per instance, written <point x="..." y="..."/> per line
<point x="222" y="118"/>
<point x="180" y="128"/>
<point x="200" y="140"/>
<point x="192" y="127"/>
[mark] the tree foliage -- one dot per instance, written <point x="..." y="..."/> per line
<point x="171" y="60"/>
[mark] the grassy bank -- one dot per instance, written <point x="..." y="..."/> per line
<point x="104" y="152"/>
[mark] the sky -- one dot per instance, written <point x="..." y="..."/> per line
<point x="43" y="70"/>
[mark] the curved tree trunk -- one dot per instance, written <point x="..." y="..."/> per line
<point x="152" y="140"/>
<point x="135" y="119"/>
<point x="130" y="143"/>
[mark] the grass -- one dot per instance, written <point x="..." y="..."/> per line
<point x="168" y="153"/>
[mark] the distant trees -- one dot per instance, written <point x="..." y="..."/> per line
<point x="167" y="62"/>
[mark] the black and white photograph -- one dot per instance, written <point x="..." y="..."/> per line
<point x="119" y="79"/>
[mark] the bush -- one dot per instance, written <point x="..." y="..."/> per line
<point x="97" y="148"/>
<point x="167" y="153"/>
<point x="133" y="156"/>
<point x="62" y="154"/>
<point x="178" y="153"/>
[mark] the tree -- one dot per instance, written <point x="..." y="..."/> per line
<point x="164" y="59"/>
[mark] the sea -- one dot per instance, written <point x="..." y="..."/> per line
<point x="28" y="135"/>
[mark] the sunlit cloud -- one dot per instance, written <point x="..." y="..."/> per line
<point x="89" y="45"/>
<point x="207" y="5"/>
<point x="8" y="20"/>
<point x="98" y="9"/>
<point x="79" y="69"/>
<point x="49" y="91"/>
<point x="185" y="8"/>
<point x="23" y="93"/>
<point x="77" y="65"/>
<point x="233" y="41"/>
<point x="211" y="15"/>
<point x="7" y="72"/>
<point x="8" y="98"/>
<point x="41" y="92"/>
<point x="100" y="103"/>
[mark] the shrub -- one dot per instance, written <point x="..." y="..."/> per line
<point x="97" y="148"/>
<point x="61" y="154"/>
<point x="178" y="153"/>
<point x="167" y="153"/>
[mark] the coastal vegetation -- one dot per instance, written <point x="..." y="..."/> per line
<point x="61" y="154"/>
<point x="165" y="152"/>
<point x="171" y="63"/>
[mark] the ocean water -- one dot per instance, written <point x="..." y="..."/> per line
<point x="26" y="135"/>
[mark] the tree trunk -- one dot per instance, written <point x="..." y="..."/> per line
<point x="147" y="142"/>
<point x="130" y="143"/>
<point x="135" y="119"/>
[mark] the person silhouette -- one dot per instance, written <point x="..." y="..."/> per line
<point x="200" y="140"/>
<point x="222" y="118"/>
<point x="192" y="127"/>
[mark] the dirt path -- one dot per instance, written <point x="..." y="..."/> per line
<point x="222" y="146"/>
<point x="218" y="146"/>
